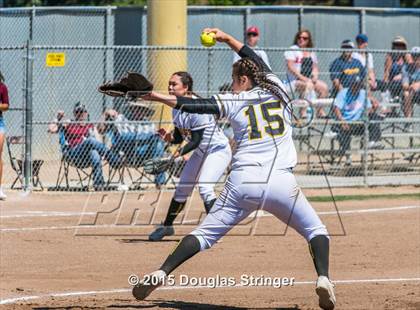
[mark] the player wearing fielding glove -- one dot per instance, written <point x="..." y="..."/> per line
<point x="261" y="176"/>
<point x="211" y="156"/>
<point x="212" y="153"/>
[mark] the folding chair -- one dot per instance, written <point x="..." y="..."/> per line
<point x="132" y="162"/>
<point x="135" y="150"/>
<point x="17" y="163"/>
<point x="134" y="154"/>
<point x="84" y="176"/>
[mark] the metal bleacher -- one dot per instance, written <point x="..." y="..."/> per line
<point x="318" y="147"/>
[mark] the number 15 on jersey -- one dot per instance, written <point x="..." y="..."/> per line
<point x="265" y="118"/>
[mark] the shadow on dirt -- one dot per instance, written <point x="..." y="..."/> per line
<point x="145" y="240"/>
<point x="172" y="304"/>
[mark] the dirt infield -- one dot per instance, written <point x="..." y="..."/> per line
<point x="57" y="252"/>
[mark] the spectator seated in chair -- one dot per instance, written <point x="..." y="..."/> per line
<point x="413" y="78"/>
<point x="395" y="80"/>
<point x="345" y="68"/>
<point x="138" y="142"/>
<point x="303" y="72"/>
<point x="350" y="106"/>
<point x="80" y="146"/>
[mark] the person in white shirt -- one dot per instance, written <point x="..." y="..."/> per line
<point x="365" y="58"/>
<point x="252" y="38"/>
<point x="303" y="71"/>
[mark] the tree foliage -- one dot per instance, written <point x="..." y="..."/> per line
<point x="20" y="3"/>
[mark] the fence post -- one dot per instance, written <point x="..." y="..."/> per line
<point x="107" y="57"/>
<point x="366" y="132"/>
<point x="31" y="23"/>
<point x="300" y="18"/>
<point x="362" y="21"/>
<point x="27" y="166"/>
<point x="246" y="21"/>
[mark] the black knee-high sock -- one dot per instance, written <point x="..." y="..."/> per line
<point x="174" y="209"/>
<point x="187" y="248"/>
<point x="319" y="247"/>
<point x="208" y="205"/>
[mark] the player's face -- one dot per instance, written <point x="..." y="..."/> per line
<point x="175" y="86"/>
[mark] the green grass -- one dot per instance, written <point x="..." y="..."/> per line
<point x="364" y="197"/>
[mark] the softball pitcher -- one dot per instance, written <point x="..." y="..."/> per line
<point x="212" y="154"/>
<point x="261" y="176"/>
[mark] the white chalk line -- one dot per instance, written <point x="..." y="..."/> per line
<point x="45" y="214"/>
<point x="259" y="214"/>
<point x="373" y="210"/>
<point x="176" y="287"/>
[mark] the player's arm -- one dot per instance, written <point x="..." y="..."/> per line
<point x="186" y="104"/>
<point x="240" y="48"/>
<point x="196" y="137"/>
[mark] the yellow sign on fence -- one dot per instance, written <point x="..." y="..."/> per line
<point x="55" y="59"/>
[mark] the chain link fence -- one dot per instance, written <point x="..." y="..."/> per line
<point x="112" y="25"/>
<point x="375" y="140"/>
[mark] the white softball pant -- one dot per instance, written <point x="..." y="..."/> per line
<point x="206" y="169"/>
<point x="253" y="189"/>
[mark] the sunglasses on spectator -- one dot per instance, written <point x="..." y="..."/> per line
<point x="303" y="38"/>
<point x="399" y="45"/>
<point x="252" y="34"/>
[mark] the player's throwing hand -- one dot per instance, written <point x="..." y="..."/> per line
<point x="219" y="35"/>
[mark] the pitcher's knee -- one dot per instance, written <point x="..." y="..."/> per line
<point x="206" y="240"/>
<point x="315" y="231"/>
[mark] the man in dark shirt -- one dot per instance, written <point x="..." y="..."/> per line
<point x="345" y="68"/>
